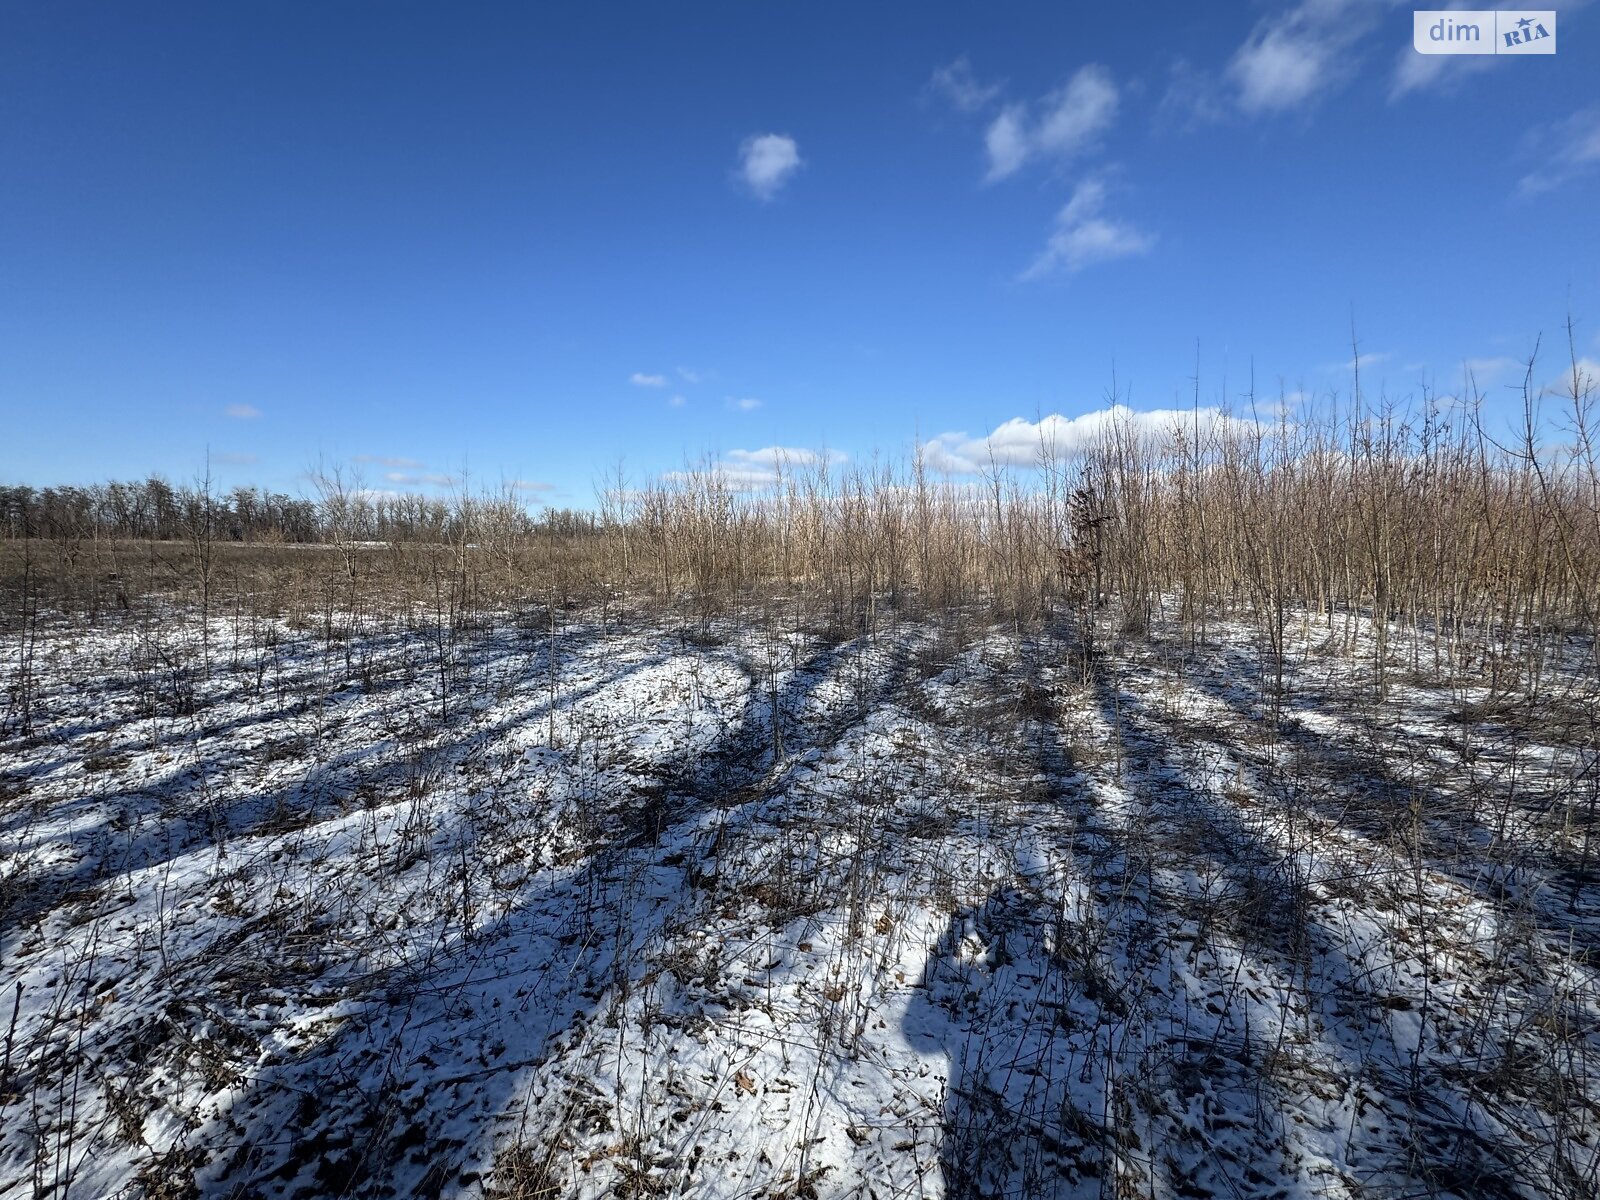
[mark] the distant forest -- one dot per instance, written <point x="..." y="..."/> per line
<point x="153" y="509"/>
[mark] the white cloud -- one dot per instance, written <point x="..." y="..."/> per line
<point x="1415" y="72"/>
<point x="1301" y="52"/>
<point x="385" y="460"/>
<point x="1193" y="97"/>
<point x="1487" y="368"/>
<point x="1068" y="122"/>
<point x="956" y="84"/>
<point x="752" y="470"/>
<point x="689" y="375"/>
<point x="242" y="412"/>
<point x="767" y="161"/>
<point x="1588" y="378"/>
<point x="1569" y="150"/>
<point x="640" y="379"/>
<point x="771" y="456"/>
<point x="1292" y="56"/>
<point x="1023" y="443"/>
<point x="531" y="485"/>
<point x="1365" y="361"/>
<point x="677" y="401"/>
<point x="1083" y="236"/>
<point x="1006" y="142"/>
<point x="743" y="403"/>
<point x="1077" y="113"/>
<point x="408" y="479"/>
<point x="1277" y="70"/>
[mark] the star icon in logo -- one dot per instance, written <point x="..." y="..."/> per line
<point x="1525" y="22"/>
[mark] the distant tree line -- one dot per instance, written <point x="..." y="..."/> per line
<point x="154" y="510"/>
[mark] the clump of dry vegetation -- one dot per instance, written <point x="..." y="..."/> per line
<point x="1414" y="513"/>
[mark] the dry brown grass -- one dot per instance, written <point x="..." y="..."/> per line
<point x="1489" y="547"/>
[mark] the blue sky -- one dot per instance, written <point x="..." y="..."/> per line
<point x="527" y="241"/>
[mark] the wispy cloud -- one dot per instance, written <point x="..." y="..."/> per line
<point x="1362" y="362"/>
<point x="1297" y="55"/>
<point x="956" y="84"/>
<point x="1006" y="142"/>
<point x="752" y="470"/>
<point x="1060" y="126"/>
<point x="640" y="379"/>
<point x="408" y="479"/>
<point x="1585" y="373"/>
<point x="1415" y="72"/>
<point x="691" y="375"/>
<point x="1567" y="150"/>
<point x="531" y="485"/>
<point x="677" y="401"/>
<point x="1292" y="56"/>
<point x="1491" y="367"/>
<point x="1083" y="236"/>
<point x="743" y="403"/>
<point x="771" y="456"/>
<point x="242" y="412"/>
<point x="1023" y="443"/>
<point x="1276" y="69"/>
<point x="767" y="162"/>
<point x="235" y="459"/>
<point x="1290" y="59"/>
<point x="1193" y="97"/>
<point x="386" y="460"/>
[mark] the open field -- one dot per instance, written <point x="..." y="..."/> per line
<point x="828" y="602"/>
<point x="1208" y="813"/>
<point x="741" y="907"/>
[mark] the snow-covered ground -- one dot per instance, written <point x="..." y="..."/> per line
<point x="754" y="913"/>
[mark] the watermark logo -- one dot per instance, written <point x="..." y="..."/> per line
<point x="1484" y="31"/>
